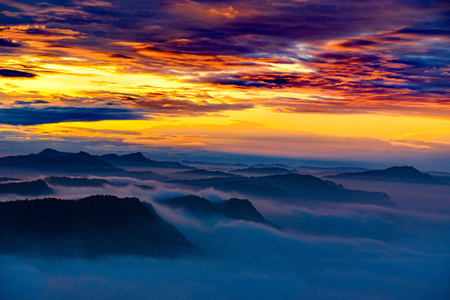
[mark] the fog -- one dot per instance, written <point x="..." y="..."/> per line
<point x="346" y="251"/>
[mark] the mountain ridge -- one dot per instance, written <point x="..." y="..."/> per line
<point x="89" y="227"/>
<point x="291" y="187"/>
<point x="26" y="188"/>
<point x="234" y="208"/>
<point x="407" y="174"/>
<point x="138" y="160"/>
<point x="53" y="160"/>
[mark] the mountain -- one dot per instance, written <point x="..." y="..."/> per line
<point x="194" y="205"/>
<point x="138" y="160"/>
<point x="262" y="171"/>
<point x="96" y="182"/>
<point x="145" y="187"/>
<point x="235" y="209"/>
<point x="50" y="160"/>
<point x="76" y="181"/>
<point x="5" y="179"/>
<point x="397" y="174"/>
<point x="248" y="186"/>
<point x="271" y="165"/>
<point x="199" y="174"/>
<point x="189" y="162"/>
<point x="311" y="188"/>
<point x="88" y="228"/>
<point x="243" y="209"/>
<point x="292" y="188"/>
<point x="143" y="175"/>
<point x="26" y="188"/>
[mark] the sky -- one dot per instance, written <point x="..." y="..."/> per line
<point x="346" y="80"/>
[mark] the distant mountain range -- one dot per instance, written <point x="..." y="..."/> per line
<point x="189" y="162"/>
<point x="55" y="161"/>
<point x="89" y="227"/>
<point x="26" y="188"/>
<point x="291" y="187"/>
<point x="262" y="171"/>
<point x="5" y="179"/>
<point x="76" y="181"/>
<point x="243" y="185"/>
<point x="270" y="181"/>
<point x="50" y="161"/>
<point x="138" y="160"/>
<point x="235" y="209"/>
<point x="90" y="182"/>
<point x="396" y="174"/>
<point x="199" y="174"/>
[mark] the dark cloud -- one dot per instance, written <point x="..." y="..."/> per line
<point x="425" y="31"/>
<point x="244" y="27"/>
<point x="117" y="55"/>
<point x="357" y="43"/>
<point x="16" y="74"/>
<point x="189" y="107"/>
<point x="363" y="56"/>
<point x="8" y="43"/>
<point x="19" y="102"/>
<point x="251" y="29"/>
<point x="53" y="114"/>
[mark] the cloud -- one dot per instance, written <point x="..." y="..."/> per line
<point x="337" y="251"/>
<point x="8" y="43"/>
<point x="376" y="65"/>
<point x="16" y="74"/>
<point x="250" y="261"/>
<point x="189" y="107"/>
<point x="19" y="102"/>
<point x="54" y="114"/>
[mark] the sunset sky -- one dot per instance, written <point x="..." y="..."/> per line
<point x="344" y="80"/>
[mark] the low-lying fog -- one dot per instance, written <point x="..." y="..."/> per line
<point x="347" y="251"/>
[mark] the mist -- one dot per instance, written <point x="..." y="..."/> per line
<point x="338" y="251"/>
<point x="247" y="260"/>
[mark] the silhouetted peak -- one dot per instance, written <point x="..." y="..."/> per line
<point x="36" y="187"/>
<point x="51" y="152"/>
<point x="82" y="153"/>
<point x="194" y="204"/>
<point x="239" y="202"/>
<point x="137" y="155"/>
<point x="96" y="225"/>
<point x="55" y="153"/>
<point x="399" y="174"/>
<point x="289" y="175"/>
<point x="242" y="205"/>
<point x="137" y="159"/>
<point x="242" y="209"/>
<point x="236" y="209"/>
<point x="76" y="181"/>
<point x="110" y="200"/>
<point x="403" y="170"/>
<point x="296" y="177"/>
<point x="262" y="170"/>
<point x="190" y="198"/>
<point x="110" y="155"/>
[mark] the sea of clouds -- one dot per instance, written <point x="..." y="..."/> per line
<point x="328" y="252"/>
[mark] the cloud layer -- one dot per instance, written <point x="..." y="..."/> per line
<point x="352" y="59"/>
<point x="29" y="115"/>
<point x="341" y="252"/>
